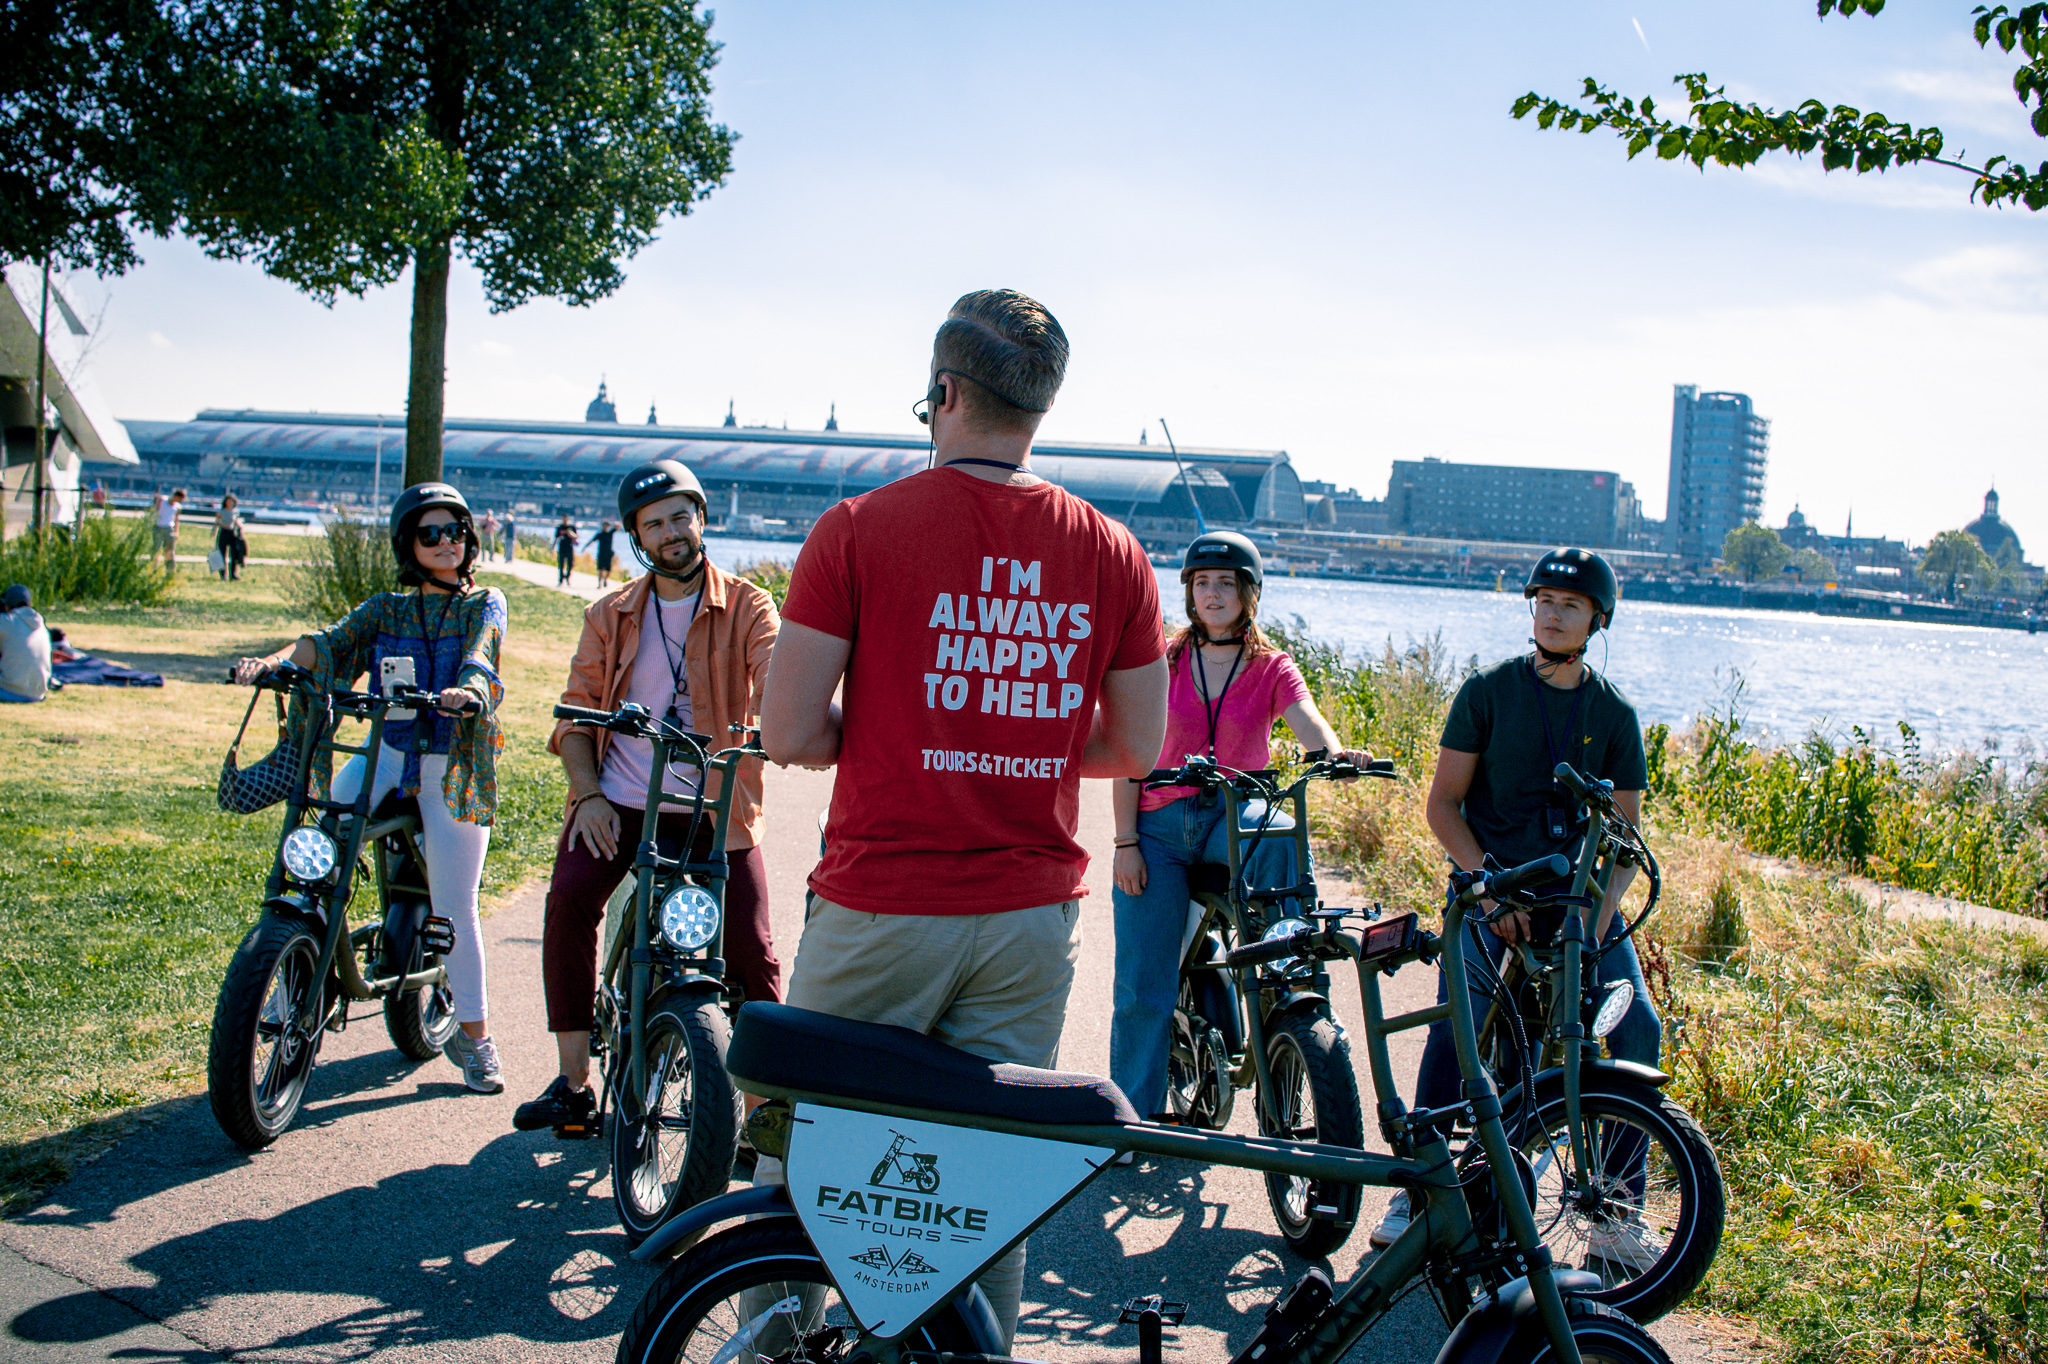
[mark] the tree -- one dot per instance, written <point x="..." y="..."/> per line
<point x="542" y="140"/>
<point x="1732" y="133"/>
<point x="1754" y="549"/>
<point x="1812" y="566"/>
<point x="1953" y="559"/>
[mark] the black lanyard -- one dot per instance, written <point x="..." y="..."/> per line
<point x="1543" y="708"/>
<point x="423" y="724"/>
<point x="1200" y="668"/>
<point x="678" y="662"/>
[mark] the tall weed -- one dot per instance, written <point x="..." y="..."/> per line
<point x="97" y="562"/>
<point x="342" y="569"/>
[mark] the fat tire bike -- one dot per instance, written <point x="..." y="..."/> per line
<point x="1627" y="1185"/>
<point x="1268" y="1029"/>
<point x="836" y="1265"/>
<point x="663" y="1000"/>
<point x="292" y="979"/>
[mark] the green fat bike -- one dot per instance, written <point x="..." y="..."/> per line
<point x="663" y="1000"/>
<point x="293" y="977"/>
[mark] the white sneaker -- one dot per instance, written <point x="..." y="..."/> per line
<point x="1629" y="1244"/>
<point x="477" y="1059"/>
<point x="1393" y="1224"/>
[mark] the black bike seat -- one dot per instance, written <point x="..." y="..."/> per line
<point x="1208" y="878"/>
<point x="818" y="1053"/>
<point x="395" y="805"/>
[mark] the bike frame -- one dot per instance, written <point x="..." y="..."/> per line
<point x="1441" y="1230"/>
<point x="328" y="904"/>
<point x="637" y="947"/>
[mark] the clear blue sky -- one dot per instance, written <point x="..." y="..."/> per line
<point x="1308" y="227"/>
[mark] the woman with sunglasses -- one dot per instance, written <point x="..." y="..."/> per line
<point x="451" y="631"/>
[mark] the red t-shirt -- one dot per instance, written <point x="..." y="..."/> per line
<point x="1260" y="694"/>
<point x="982" y="617"/>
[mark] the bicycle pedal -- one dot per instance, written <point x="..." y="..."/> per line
<point x="437" y="935"/>
<point x="1170" y="1313"/>
<point x="577" y="1131"/>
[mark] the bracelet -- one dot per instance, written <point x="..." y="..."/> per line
<point x="575" y="801"/>
<point x="1130" y="841"/>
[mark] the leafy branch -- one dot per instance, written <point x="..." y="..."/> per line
<point x="1732" y="133"/>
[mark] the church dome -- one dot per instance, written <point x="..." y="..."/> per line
<point x="1991" y="532"/>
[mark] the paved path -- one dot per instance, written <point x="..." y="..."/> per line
<point x="402" y="1219"/>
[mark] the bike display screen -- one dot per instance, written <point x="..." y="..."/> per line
<point x="1388" y="937"/>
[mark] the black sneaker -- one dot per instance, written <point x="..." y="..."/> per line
<point x="571" y="1112"/>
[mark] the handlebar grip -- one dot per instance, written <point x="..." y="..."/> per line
<point x="1551" y="868"/>
<point x="1380" y="767"/>
<point x="583" y="714"/>
<point x="1569" y="775"/>
<point x="1259" y="953"/>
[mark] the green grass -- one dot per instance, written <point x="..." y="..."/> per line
<point x="123" y="889"/>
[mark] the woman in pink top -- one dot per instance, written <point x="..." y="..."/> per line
<point x="1229" y="685"/>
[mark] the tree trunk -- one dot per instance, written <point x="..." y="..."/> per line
<point x="424" y="397"/>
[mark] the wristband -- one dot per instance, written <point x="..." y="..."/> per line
<point x="1129" y="842"/>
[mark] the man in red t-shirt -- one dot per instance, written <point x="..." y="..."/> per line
<point x="999" y="639"/>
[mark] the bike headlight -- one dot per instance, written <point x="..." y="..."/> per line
<point x="1620" y="995"/>
<point x="689" y="917"/>
<point x="1286" y="928"/>
<point x="309" y="854"/>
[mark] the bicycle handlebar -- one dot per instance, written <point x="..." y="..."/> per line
<point x="1500" y="884"/>
<point x="1269" y="949"/>
<point x="288" y="676"/>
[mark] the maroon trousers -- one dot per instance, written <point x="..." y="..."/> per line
<point x="583" y="882"/>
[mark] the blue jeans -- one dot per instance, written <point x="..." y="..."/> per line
<point x="1638" y="1037"/>
<point x="1150" y="928"/>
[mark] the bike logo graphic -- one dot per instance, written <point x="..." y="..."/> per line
<point x="910" y="1262"/>
<point x="917" y="1170"/>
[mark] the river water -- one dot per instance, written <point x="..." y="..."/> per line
<point x="1958" y="686"/>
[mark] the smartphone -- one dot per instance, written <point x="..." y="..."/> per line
<point x="397" y="672"/>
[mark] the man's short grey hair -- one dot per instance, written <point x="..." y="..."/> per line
<point x="1012" y="352"/>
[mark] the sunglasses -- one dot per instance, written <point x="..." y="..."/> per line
<point x="428" y="536"/>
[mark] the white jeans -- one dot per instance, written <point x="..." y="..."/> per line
<point x="455" y="864"/>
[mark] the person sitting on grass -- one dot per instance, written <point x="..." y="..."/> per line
<point x="24" y="648"/>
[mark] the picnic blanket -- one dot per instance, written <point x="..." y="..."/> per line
<point x="87" y="671"/>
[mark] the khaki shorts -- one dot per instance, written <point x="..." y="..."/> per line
<point x="992" y="984"/>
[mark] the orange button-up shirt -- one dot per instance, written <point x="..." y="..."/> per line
<point x="726" y="652"/>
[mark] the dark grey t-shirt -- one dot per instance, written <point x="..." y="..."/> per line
<point x="1499" y="715"/>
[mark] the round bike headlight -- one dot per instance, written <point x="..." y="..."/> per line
<point x="309" y="854"/>
<point x="1286" y="928"/>
<point x="689" y="917"/>
<point x="1620" y="995"/>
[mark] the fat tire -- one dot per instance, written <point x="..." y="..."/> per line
<point x="1333" y="1087"/>
<point x="700" y="1031"/>
<point x="738" y="1258"/>
<point x="1603" y="1335"/>
<point x="237" y="1014"/>
<point x="1703" y="1197"/>
<point x="419" y="1025"/>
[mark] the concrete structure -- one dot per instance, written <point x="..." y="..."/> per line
<point x="786" y="478"/>
<point x="1512" y="503"/>
<point x="1719" y="448"/>
<point x="77" y="423"/>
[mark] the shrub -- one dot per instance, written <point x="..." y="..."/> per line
<point x="1723" y="930"/>
<point x="97" y="562"/>
<point x="769" y="574"/>
<point x="342" y="569"/>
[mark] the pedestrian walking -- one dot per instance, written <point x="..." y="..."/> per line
<point x="565" y="550"/>
<point x="511" y="537"/>
<point x="227" y="538"/>
<point x="601" y="547"/>
<point x="165" y="528"/>
<point x="487" y="530"/>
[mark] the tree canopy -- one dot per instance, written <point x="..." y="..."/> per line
<point x="1954" y="560"/>
<point x="1730" y="132"/>
<point x="1752" y="549"/>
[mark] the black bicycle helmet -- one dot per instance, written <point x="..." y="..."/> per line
<point x="1577" y="570"/>
<point x="650" y="483"/>
<point x="414" y="502"/>
<point x="1223" y="549"/>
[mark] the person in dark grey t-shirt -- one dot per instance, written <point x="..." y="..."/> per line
<point x="1494" y="795"/>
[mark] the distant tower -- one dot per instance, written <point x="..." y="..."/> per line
<point x="832" y="422"/>
<point x="1141" y="434"/>
<point x="1991" y="532"/>
<point x="600" y="409"/>
<point x="651" y="421"/>
<point x="729" y="419"/>
<point x="1719" y="448"/>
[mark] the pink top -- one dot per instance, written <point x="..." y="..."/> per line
<point x="1262" y="691"/>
